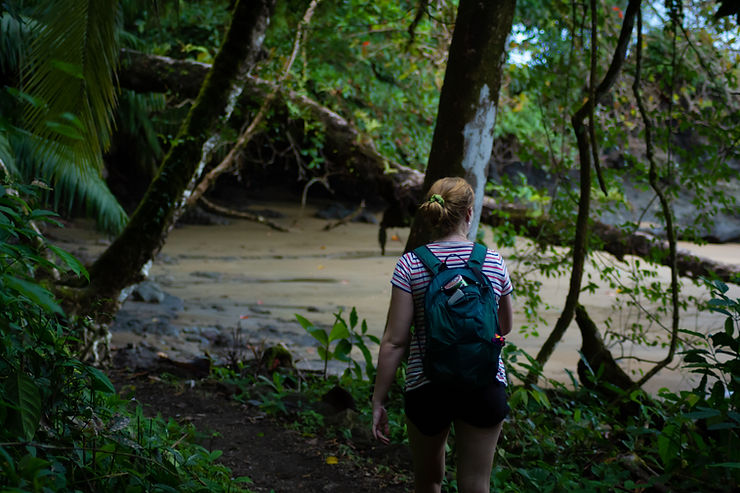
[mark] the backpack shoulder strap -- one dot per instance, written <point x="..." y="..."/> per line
<point x="427" y="258"/>
<point x="477" y="257"/>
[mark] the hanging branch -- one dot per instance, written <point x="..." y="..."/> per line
<point x="664" y="203"/>
<point x="582" y="228"/>
<point x="592" y="97"/>
<point x="420" y="11"/>
<point x="230" y="160"/>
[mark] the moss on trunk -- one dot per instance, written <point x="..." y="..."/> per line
<point x="121" y="264"/>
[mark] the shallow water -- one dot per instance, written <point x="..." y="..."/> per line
<point x="247" y="282"/>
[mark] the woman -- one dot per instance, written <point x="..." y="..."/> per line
<point x="430" y="407"/>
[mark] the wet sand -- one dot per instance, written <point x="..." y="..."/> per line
<point x="247" y="282"/>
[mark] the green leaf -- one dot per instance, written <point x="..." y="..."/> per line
<point x="323" y="354"/>
<point x="41" y="213"/>
<point x="69" y="68"/>
<point x="24" y="393"/>
<point x="341" y="352"/>
<point x="704" y="413"/>
<point x="65" y="130"/>
<point x="339" y="331"/>
<point x="722" y="426"/>
<point x="692" y="333"/>
<point x="318" y="334"/>
<point x="728" y="465"/>
<point x="35" y="293"/>
<point x="353" y="318"/>
<point x="303" y="321"/>
<point x="668" y="445"/>
<point x="29" y="466"/>
<point x="520" y="396"/>
<point x="71" y="261"/>
<point x="100" y="380"/>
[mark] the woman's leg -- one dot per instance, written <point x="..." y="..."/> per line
<point x="428" y="456"/>
<point x="475" y="450"/>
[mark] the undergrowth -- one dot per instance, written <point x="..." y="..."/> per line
<point x="557" y="437"/>
<point x="62" y="426"/>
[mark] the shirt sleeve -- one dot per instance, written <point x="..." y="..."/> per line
<point x="506" y="287"/>
<point x="402" y="274"/>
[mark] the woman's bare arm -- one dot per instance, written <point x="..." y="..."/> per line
<point x="505" y="314"/>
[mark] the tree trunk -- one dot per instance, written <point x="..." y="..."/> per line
<point x="463" y="134"/>
<point x="122" y="263"/>
<point x="606" y="371"/>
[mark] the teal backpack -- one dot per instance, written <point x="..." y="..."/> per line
<point x="462" y="342"/>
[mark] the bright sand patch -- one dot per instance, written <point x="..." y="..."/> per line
<point x="226" y="273"/>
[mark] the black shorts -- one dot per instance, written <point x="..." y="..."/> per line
<point x="433" y="407"/>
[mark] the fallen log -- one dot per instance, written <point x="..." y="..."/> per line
<point x="355" y="160"/>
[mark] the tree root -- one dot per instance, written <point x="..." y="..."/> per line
<point x="225" y="211"/>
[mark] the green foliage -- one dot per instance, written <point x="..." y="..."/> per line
<point x="356" y="59"/>
<point x="345" y="336"/>
<point x="70" y="68"/>
<point x="177" y="29"/>
<point x="61" y="426"/>
<point x="55" y="121"/>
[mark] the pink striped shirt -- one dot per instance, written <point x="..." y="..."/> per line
<point x="411" y="276"/>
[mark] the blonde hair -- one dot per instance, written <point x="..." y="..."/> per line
<point x="446" y="205"/>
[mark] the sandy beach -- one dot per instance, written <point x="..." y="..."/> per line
<point x="244" y="282"/>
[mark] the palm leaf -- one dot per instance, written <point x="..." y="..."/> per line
<point x="70" y="67"/>
<point x="7" y="158"/>
<point x="12" y="42"/>
<point x="73" y="187"/>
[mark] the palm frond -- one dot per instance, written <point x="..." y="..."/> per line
<point x="70" y="68"/>
<point x="133" y="117"/>
<point x="12" y="42"/>
<point x="7" y="157"/>
<point x="73" y="188"/>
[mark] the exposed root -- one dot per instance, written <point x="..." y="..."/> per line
<point x="225" y="211"/>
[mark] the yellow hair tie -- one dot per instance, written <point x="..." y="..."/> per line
<point x="437" y="198"/>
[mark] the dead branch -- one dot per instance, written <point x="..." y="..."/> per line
<point x="225" y="211"/>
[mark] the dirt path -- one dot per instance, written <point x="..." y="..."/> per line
<point x="277" y="459"/>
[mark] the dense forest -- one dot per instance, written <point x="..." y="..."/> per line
<point x="587" y="128"/>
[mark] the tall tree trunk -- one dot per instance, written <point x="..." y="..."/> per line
<point x="463" y="135"/>
<point x="122" y="263"/>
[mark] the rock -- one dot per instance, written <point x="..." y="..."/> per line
<point x="334" y="211"/>
<point x="275" y="357"/>
<point x="148" y="292"/>
<point x="199" y="367"/>
<point x="207" y="275"/>
<point x="135" y="357"/>
<point x="196" y="215"/>
<point x="339" y="399"/>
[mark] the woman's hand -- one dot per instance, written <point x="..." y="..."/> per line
<point x="392" y="348"/>
<point x="381" y="430"/>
